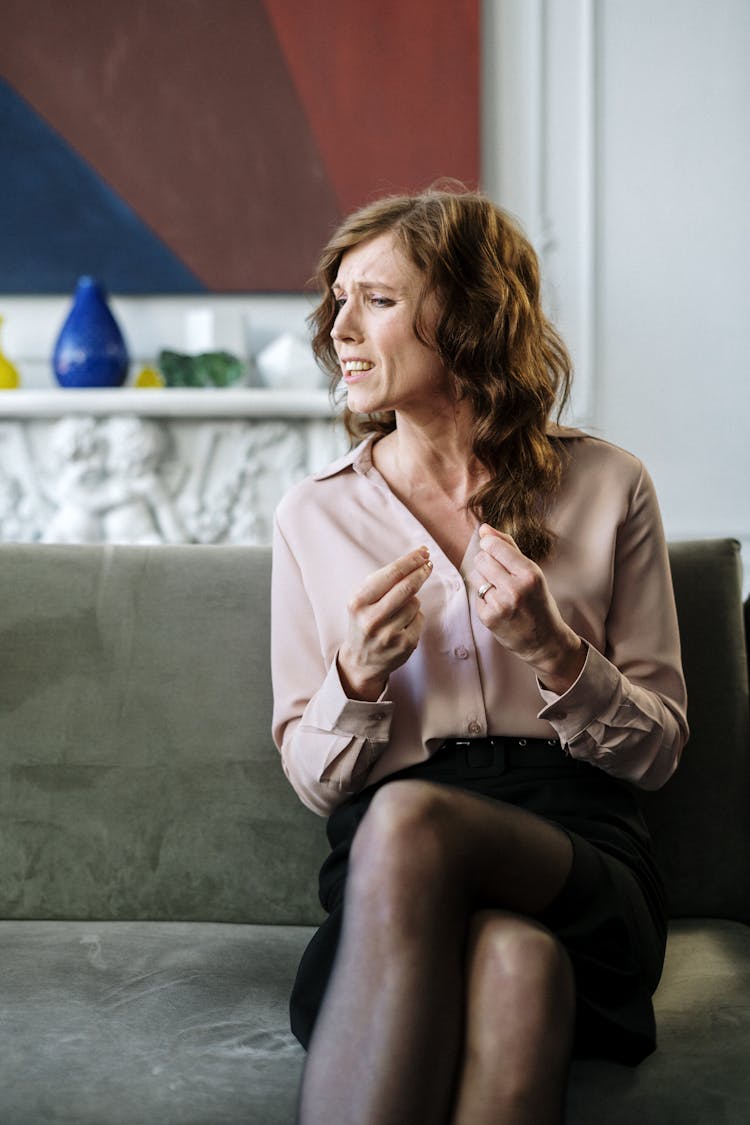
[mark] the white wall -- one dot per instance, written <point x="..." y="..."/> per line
<point x="619" y="133"/>
<point x="674" y="250"/>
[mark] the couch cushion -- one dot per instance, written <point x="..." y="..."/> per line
<point x="142" y="1024"/>
<point x="147" y="1024"/>
<point x="700" y="820"/>
<point x="137" y="777"/>
<point x="699" y="1072"/>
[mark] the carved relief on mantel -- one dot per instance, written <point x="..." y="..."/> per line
<point x="126" y="478"/>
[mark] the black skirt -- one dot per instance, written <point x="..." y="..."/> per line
<point x="610" y="915"/>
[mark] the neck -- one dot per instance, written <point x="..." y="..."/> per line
<point x="435" y="455"/>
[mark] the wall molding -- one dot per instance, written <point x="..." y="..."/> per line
<point x="154" y="477"/>
<point x="540" y="159"/>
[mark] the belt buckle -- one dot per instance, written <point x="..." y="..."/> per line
<point x="483" y="756"/>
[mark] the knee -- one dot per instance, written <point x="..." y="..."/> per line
<point x="402" y="841"/>
<point x="520" y="1008"/>
<point x="516" y="956"/>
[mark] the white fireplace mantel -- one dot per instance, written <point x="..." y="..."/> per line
<point x="156" y="465"/>
<point x="161" y="402"/>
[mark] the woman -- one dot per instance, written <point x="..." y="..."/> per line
<point x="475" y="658"/>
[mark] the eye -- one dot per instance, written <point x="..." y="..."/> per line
<point x="339" y="300"/>
<point x="380" y="302"/>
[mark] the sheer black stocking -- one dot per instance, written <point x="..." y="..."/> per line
<point x="445" y="996"/>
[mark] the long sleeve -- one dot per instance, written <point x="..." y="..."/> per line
<point x="328" y="743"/>
<point x="626" y="713"/>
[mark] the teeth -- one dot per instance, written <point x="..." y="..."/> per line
<point x="358" y="365"/>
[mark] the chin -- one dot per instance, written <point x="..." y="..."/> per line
<point x="362" y="403"/>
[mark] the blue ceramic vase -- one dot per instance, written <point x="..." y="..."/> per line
<point x="90" y="350"/>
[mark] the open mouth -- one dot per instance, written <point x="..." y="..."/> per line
<point x="350" y="365"/>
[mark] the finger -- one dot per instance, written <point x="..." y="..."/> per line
<point x="480" y="577"/>
<point x="492" y="591"/>
<point x="411" y="629"/>
<point x="403" y="642"/>
<point x="484" y="592"/>
<point x="383" y="580"/>
<point x="487" y="569"/>
<point x="503" y="549"/>
<point x="406" y="615"/>
<point x="486" y="530"/>
<point x="393" y="603"/>
<point x="396" y="640"/>
<point x="515" y="578"/>
<point x="398" y="635"/>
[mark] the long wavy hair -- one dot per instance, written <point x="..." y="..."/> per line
<point x="502" y="354"/>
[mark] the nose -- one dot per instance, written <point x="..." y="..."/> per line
<point x="346" y="324"/>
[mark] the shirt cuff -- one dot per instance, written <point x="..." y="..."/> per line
<point x="590" y="696"/>
<point x="355" y="718"/>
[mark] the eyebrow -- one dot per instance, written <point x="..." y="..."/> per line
<point x="366" y="284"/>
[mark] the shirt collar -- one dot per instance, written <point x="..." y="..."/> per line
<point x="359" y="459"/>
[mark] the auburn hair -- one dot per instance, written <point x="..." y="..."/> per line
<point x="502" y="354"/>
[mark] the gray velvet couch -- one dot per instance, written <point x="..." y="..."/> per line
<point x="157" y="873"/>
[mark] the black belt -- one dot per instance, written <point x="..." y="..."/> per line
<point x="496" y="755"/>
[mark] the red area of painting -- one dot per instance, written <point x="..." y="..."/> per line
<point x="391" y="90"/>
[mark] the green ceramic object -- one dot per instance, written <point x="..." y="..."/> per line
<point x="209" y="369"/>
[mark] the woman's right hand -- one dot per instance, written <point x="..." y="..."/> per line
<point x="385" y="623"/>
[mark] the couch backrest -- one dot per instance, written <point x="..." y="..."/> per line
<point x="138" y="779"/>
<point x="700" y="820"/>
<point x="137" y="774"/>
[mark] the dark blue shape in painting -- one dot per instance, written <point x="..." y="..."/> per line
<point x="59" y="220"/>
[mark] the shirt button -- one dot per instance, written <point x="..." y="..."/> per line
<point x="474" y="727"/>
<point x="461" y="652"/>
<point x="377" y="717"/>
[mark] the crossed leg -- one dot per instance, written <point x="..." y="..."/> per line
<point x="447" y="1002"/>
<point x="520" y="1004"/>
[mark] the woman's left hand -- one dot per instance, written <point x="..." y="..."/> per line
<point x="521" y="613"/>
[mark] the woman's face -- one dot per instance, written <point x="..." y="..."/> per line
<point x="383" y="363"/>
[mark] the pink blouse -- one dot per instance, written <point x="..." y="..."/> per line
<point x="608" y="572"/>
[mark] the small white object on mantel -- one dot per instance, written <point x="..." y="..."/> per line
<point x="287" y="363"/>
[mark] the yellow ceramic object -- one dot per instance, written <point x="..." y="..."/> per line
<point x="9" y="377"/>
<point x="149" y="377"/>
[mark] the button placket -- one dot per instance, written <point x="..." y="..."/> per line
<point x="462" y="655"/>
